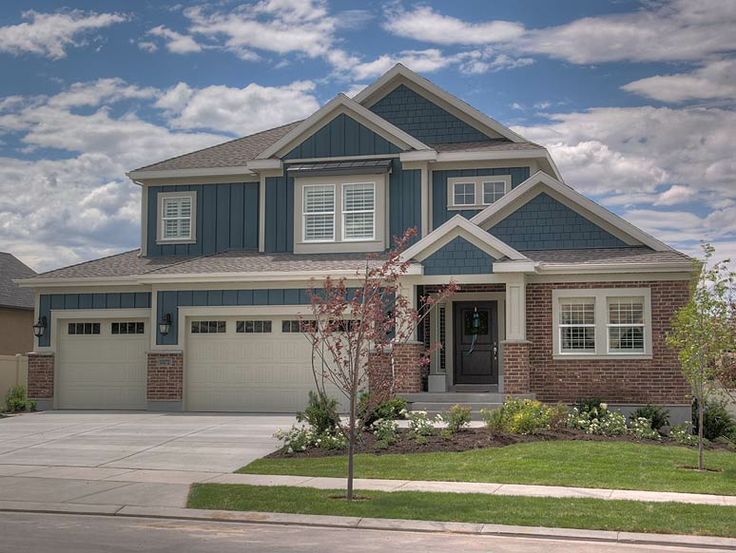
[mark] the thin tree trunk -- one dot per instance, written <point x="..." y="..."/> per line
<point x="701" y="449"/>
<point x="351" y="446"/>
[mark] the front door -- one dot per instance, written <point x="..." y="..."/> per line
<point x="476" y="342"/>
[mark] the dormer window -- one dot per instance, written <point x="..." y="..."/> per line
<point x="176" y="216"/>
<point x="476" y="192"/>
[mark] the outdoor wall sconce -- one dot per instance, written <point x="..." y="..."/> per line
<point x="165" y="325"/>
<point x="39" y="327"/>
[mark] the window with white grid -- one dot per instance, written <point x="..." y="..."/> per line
<point x="493" y="191"/>
<point x="319" y="213"/>
<point x="625" y="325"/>
<point x="577" y="325"/>
<point x="177" y="213"/>
<point x="358" y="211"/>
<point x="463" y="193"/>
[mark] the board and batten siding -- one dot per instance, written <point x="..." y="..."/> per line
<point x="440" y="212"/>
<point x="226" y="219"/>
<point x="100" y="300"/>
<point x="405" y="200"/>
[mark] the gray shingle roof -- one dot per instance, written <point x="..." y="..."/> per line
<point x="485" y="146"/>
<point x="633" y="255"/>
<point x="119" y="265"/>
<point x="233" y="153"/>
<point x="11" y="295"/>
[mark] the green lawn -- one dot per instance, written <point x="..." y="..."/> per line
<point x="633" y="516"/>
<point x="564" y="463"/>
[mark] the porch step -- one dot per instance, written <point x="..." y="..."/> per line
<point x="437" y="403"/>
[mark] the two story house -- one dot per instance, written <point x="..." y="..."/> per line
<point x="559" y="298"/>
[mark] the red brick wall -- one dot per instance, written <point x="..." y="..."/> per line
<point x="657" y="380"/>
<point x="516" y="376"/>
<point x="165" y="376"/>
<point x="40" y="376"/>
<point x="407" y="374"/>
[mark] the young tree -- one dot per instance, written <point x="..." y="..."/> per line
<point x="703" y="332"/>
<point x="348" y="324"/>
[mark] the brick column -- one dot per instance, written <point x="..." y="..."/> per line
<point x="41" y="379"/>
<point x="405" y="374"/>
<point x="165" y="380"/>
<point x="516" y="367"/>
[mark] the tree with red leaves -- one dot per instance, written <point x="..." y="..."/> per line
<point x="348" y="324"/>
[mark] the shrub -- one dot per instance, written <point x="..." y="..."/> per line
<point x="331" y="441"/>
<point x="523" y="416"/>
<point x="717" y="421"/>
<point x="598" y="420"/>
<point x="589" y="404"/>
<point x="368" y="412"/>
<point x="658" y="416"/>
<point x="641" y="428"/>
<point x="457" y="418"/>
<point x="420" y="425"/>
<point x="386" y="432"/>
<point x="301" y="438"/>
<point x="17" y="400"/>
<point x="683" y="435"/>
<point x="321" y="414"/>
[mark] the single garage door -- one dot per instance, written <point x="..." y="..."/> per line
<point x="102" y="364"/>
<point x="248" y="364"/>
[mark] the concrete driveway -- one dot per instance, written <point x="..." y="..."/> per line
<point x="137" y="440"/>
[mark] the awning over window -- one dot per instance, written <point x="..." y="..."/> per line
<point x="360" y="167"/>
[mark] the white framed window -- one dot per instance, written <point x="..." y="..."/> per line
<point x="625" y="327"/>
<point x="318" y="212"/>
<point x="463" y="193"/>
<point x="476" y="192"/>
<point x="177" y="214"/>
<point x="602" y="323"/>
<point x="358" y="211"/>
<point x="493" y="190"/>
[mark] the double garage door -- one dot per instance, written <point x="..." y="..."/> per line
<point x="231" y="364"/>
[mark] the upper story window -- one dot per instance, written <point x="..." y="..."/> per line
<point x="176" y="216"/>
<point x="602" y="322"/>
<point x="340" y="214"/>
<point x="476" y="192"/>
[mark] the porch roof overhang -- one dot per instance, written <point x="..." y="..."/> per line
<point x="362" y="167"/>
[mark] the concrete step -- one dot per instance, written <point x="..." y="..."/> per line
<point x="453" y="398"/>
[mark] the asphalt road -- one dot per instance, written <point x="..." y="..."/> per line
<point x="47" y="533"/>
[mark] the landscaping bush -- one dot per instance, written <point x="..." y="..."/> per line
<point x="641" y="428"/>
<point x="457" y="418"/>
<point x="368" y="413"/>
<point x="589" y="404"/>
<point x="321" y="414"/>
<point x="683" y="434"/>
<point x="658" y="416"/>
<point x="386" y="432"/>
<point x="523" y="416"/>
<point x="598" y="420"/>
<point x="300" y="438"/>
<point x="17" y="400"/>
<point x="420" y="425"/>
<point x="717" y="421"/>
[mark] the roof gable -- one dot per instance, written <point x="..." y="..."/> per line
<point x="458" y="257"/>
<point x="342" y="136"/>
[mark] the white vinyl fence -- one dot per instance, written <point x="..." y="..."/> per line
<point x="13" y="371"/>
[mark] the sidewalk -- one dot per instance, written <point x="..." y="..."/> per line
<point x="169" y="488"/>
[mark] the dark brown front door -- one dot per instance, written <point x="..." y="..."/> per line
<point x="476" y="342"/>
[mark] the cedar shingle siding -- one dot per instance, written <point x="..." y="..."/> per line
<point x="458" y="257"/>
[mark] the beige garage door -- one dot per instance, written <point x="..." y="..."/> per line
<point x="247" y="364"/>
<point x="102" y="364"/>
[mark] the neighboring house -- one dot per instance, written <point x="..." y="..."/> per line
<point x="559" y="298"/>
<point x="16" y="307"/>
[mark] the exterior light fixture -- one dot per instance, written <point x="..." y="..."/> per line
<point x="164" y="326"/>
<point x="39" y="327"/>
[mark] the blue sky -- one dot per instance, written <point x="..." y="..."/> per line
<point x="635" y="100"/>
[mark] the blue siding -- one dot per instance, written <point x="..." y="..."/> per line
<point x="170" y="301"/>
<point x="227" y="219"/>
<point x="110" y="300"/>
<point x="405" y="205"/>
<point x="543" y="223"/>
<point x="440" y="213"/>
<point x="458" y="257"/>
<point x="279" y="214"/>
<point x="423" y="119"/>
<point x="343" y="136"/>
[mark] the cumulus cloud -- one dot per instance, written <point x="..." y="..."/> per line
<point x="176" y="43"/>
<point x="50" y="34"/>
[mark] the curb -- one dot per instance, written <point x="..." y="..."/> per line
<point x="399" y="525"/>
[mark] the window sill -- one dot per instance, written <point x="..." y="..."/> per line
<point x="174" y="241"/>
<point x="602" y="356"/>
<point x="474" y="207"/>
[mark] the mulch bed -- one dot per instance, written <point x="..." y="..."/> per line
<point x="471" y="438"/>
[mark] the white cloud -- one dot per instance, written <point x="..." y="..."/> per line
<point x="148" y="46"/>
<point x="240" y="111"/>
<point x="424" y="24"/>
<point x="714" y="80"/>
<point x="176" y="43"/>
<point x="423" y="61"/>
<point x="50" y="34"/>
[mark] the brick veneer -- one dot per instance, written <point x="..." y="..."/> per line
<point x="656" y="380"/>
<point x="406" y="376"/>
<point x="516" y="368"/>
<point x="40" y="376"/>
<point x="165" y="376"/>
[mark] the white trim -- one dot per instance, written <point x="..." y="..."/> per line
<point x="144" y="219"/>
<point x="197" y="172"/>
<point x="478" y="184"/>
<point x="612" y="267"/>
<point x="262" y="213"/>
<point x="369" y="95"/>
<point x="341" y="104"/>
<point x="344" y="212"/>
<point x="425" y="191"/>
<point x="58" y="315"/>
<point x="418" y="155"/>
<point x="586" y="207"/>
<point x="265" y="164"/>
<point x="304" y="214"/>
<point x="338" y="158"/>
<point x="452" y="228"/>
<point x="161" y="197"/>
<point x="600" y="298"/>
